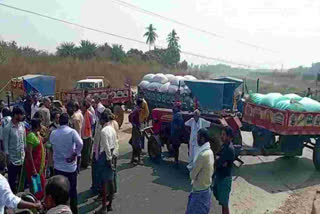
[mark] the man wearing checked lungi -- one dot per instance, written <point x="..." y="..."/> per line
<point x="222" y="176"/>
<point x="201" y="176"/>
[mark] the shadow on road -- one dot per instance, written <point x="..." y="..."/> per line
<point x="167" y="174"/>
<point x="86" y="202"/>
<point x="164" y="172"/>
<point x="280" y="175"/>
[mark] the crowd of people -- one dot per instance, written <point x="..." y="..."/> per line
<point x="44" y="147"/>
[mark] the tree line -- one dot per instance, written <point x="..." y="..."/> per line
<point x="169" y="56"/>
<point x="86" y="50"/>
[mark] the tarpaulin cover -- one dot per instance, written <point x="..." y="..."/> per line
<point x="212" y="95"/>
<point x="237" y="82"/>
<point x="43" y="84"/>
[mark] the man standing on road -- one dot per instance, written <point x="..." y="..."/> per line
<point x="86" y="134"/>
<point x="14" y="138"/>
<point x="177" y="126"/>
<point x="76" y="117"/>
<point x="224" y="162"/>
<point x="136" y="132"/>
<point x="143" y="115"/>
<point x="99" y="107"/>
<point x="45" y="112"/>
<point x="35" y="105"/>
<point x="196" y="123"/>
<point x="104" y="145"/>
<point x="201" y="176"/>
<point x="66" y="146"/>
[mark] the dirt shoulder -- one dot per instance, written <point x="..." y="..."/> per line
<point x="299" y="202"/>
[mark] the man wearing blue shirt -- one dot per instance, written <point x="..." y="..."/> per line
<point x="14" y="139"/>
<point x="177" y="128"/>
<point x="67" y="145"/>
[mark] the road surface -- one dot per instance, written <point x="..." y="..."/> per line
<point x="261" y="185"/>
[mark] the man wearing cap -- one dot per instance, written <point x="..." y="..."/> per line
<point x="195" y="123"/>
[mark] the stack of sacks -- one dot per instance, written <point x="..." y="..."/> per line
<point x="148" y="77"/>
<point x="164" y="88"/>
<point x="143" y="84"/>
<point x="256" y="98"/>
<point x="291" y="102"/>
<point x="173" y="89"/>
<point x="154" y="86"/>
<point x="160" y="78"/>
<point x="310" y="105"/>
<point x="271" y="99"/>
<point x="176" y="80"/>
<point x="166" y="83"/>
<point x="170" y="77"/>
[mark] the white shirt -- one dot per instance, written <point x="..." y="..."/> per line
<point x="100" y="108"/>
<point x="107" y="138"/>
<point x="34" y="109"/>
<point x="7" y="198"/>
<point x="94" y="117"/>
<point x="195" y="127"/>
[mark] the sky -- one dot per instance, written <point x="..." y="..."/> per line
<point x="289" y="28"/>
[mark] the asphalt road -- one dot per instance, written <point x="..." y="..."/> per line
<point x="261" y="185"/>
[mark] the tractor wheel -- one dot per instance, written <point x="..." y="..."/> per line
<point x="119" y="113"/>
<point x="154" y="148"/>
<point x="316" y="155"/>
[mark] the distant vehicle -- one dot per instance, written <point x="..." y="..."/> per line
<point x="113" y="98"/>
<point x="33" y="83"/>
<point x="90" y="83"/>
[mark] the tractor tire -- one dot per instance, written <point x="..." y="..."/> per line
<point x="154" y="148"/>
<point x="316" y="155"/>
<point x="119" y="113"/>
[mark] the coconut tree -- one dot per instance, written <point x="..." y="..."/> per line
<point x="173" y="40"/>
<point x="86" y="50"/>
<point x="66" y="49"/>
<point x="172" y="55"/>
<point x="151" y="35"/>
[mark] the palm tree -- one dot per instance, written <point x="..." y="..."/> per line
<point x="66" y="49"/>
<point x="173" y="40"/>
<point x="87" y="49"/>
<point x="151" y="35"/>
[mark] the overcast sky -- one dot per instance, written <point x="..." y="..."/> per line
<point x="291" y="28"/>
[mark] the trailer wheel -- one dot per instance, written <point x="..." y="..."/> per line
<point x="316" y="154"/>
<point x="119" y="113"/>
<point x="154" y="148"/>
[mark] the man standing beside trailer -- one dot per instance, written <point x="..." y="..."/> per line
<point x="196" y="123"/>
<point x="177" y="128"/>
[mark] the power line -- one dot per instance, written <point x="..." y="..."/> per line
<point x="122" y="37"/>
<point x="71" y="23"/>
<point x="141" y="10"/>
